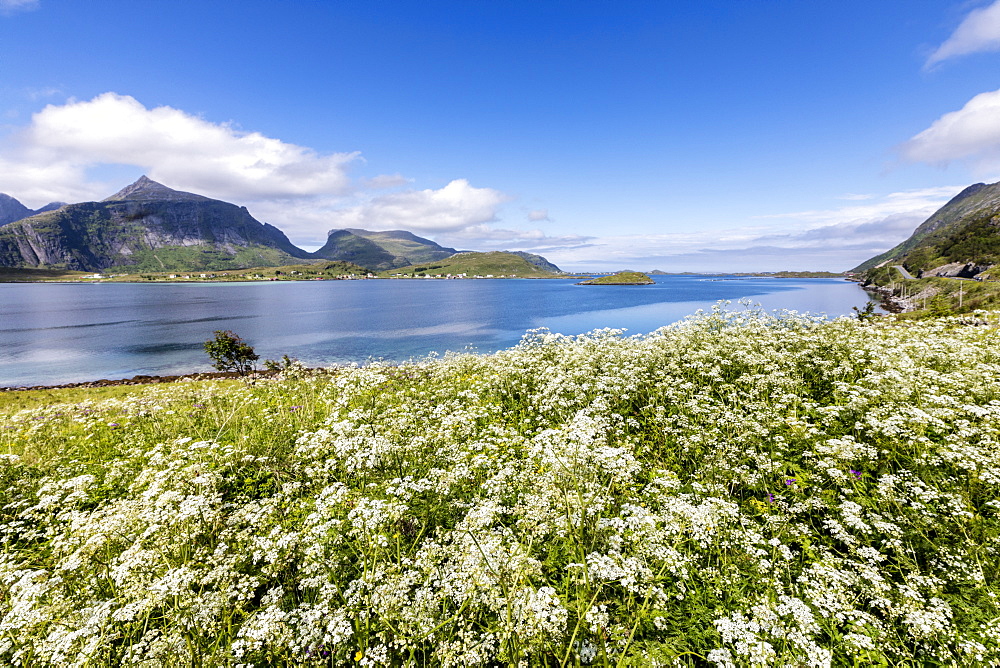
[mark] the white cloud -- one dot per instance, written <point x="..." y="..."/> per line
<point x="538" y="215"/>
<point x="10" y="6"/>
<point x="42" y="93"/>
<point x="970" y="134"/>
<point x="487" y="238"/>
<point x="830" y="240"/>
<point x="181" y="150"/>
<point x="978" y="32"/>
<point x="456" y="206"/>
<point x="921" y="201"/>
<point x="384" y="181"/>
<point x="66" y="149"/>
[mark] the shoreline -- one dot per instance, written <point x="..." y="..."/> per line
<point x="145" y="380"/>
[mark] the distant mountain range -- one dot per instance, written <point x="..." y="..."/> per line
<point x="12" y="210"/>
<point x="150" y="227"/>
<point x="961" y="239"/>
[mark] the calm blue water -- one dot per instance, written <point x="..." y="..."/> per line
<point x="62" y="333"/>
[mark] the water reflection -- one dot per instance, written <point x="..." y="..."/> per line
<point x="54" y="333"/>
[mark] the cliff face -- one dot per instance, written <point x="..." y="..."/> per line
<point x="146" y="226"/>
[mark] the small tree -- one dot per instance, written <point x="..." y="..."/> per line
<point x="867" y="313"/>
<point x="231" y="353"/>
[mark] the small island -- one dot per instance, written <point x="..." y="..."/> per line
<point x="621" y="278"/>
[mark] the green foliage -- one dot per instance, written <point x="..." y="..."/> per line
<point x="938" y="306"/>
<point x="229" y="352"/>
<point x="200" y="258"/>
<point x="866" y="313"/>
<point x="976" y="241"/>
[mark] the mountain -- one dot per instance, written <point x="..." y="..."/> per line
<point x="381" y="250"/>
<point x="11" y="210"/>
<point x="407" y="245"/>
<point x="398" y="249"/>
<point x="962" y="238"/>
<point x="145" y="227"/>
<point x="51" y="206"/>
<point x="346" y="246"/>
<point x="538" y="261"/>
<point x="472" y="264"/>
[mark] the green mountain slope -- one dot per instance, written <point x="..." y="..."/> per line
<point x="345" y="246"/>
<point x="495" y="263"/>
<point x="146" y="227"/>
<point x="381" y="250"/>
<point x="965" y="231"/>
<point x="406" y="245"/>
<point x="538" y="261"/>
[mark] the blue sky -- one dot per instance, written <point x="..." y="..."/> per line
<point x="682" y="136"/>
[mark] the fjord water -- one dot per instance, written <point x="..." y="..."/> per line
<point x="73" y="332"/>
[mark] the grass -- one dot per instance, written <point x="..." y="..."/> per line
<point x="739" y="489"/>
<point x="27" y="275"/>
<point x="621" y="278"/>
<point x="13" y="401"/>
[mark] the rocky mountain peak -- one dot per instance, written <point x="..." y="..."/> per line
<point x="146" y="189"/>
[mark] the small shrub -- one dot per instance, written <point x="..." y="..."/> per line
<point x="229" y="352"/>
<point x="867" y="313"/>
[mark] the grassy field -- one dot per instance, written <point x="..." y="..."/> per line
<point x="18" y="275"/>
<point x="739" y="489"/>
<point x="621" y="278"/>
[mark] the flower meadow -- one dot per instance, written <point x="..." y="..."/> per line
<point x="737" y="489"/>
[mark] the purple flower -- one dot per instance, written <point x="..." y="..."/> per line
<point x="857" y="474"/>
<point x="789" y="481"/>
<point x="112" y="424"/>
<point x="294" y="408"/>
<point x="770" y="497"/>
